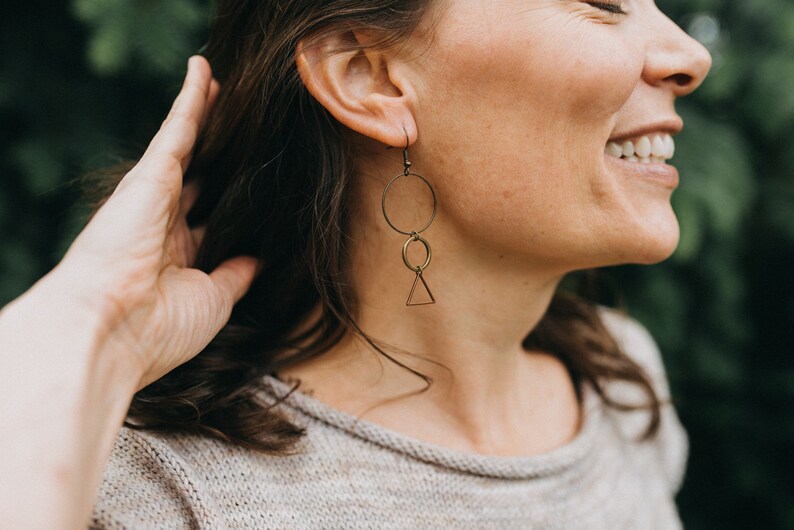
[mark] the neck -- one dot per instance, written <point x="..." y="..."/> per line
<point x="478" y="322"/>
<point x="485" y="385"/>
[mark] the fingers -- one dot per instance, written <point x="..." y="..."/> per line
<point x="187" y="199"/>
<point x="232" y="279"/>
<point x="212" y="97"/>
<point x="197" y="233"/>
<point x="200" y="309"/>
<point x="177" y="135"/>
<point x="168" y="153"/>
<point x="215" y="90"/>
<point x="153" y="187"/>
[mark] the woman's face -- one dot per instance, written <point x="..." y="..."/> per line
<point x="521" y="109"/>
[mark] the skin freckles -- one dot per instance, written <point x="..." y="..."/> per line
<point x="555" y="79"/>
<point x="509" y="107"/>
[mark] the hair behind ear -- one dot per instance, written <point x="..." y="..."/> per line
<point x="274" y="168"/>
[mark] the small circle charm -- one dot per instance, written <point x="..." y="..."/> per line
<point x="416" y="237"/>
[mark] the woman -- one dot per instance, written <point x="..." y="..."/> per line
<point x="353" y="386"/>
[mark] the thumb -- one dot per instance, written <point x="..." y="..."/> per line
<point x="232" y="279"/>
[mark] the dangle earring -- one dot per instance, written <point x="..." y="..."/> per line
<point x="413" y="235"/>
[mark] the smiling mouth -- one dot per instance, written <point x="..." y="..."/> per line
<point x="646" y="149"/>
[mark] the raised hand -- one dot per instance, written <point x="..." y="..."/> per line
<point x="131" y="264"/>
<point x="122" y="309"/>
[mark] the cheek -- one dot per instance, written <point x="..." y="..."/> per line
<point x="520" y="95"/>
<point x="515" y="119"/>
<point x="555" y="65"/>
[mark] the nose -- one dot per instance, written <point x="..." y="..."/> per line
<point x="674" y="59"/>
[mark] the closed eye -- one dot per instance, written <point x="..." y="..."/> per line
<point x="615" y="8"/>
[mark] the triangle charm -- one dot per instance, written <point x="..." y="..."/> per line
<point x="411" y="301"/>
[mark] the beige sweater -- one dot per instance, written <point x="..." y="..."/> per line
<point x="362" y="475"/>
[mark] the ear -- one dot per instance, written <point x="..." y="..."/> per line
<point x="361" y="87"/>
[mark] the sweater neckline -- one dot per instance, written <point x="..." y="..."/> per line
<point x="555" y="461"/>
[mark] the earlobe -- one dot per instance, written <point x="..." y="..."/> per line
<point x="354" y="84"/>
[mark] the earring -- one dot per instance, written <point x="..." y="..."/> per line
<point x="413" y="235"/>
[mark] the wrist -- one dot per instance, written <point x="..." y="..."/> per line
<point x="64" y="328"/>
<point x="65" y="393"/>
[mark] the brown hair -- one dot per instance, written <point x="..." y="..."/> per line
<point x="275" y="173"/>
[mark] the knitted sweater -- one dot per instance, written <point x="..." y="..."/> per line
<point x="357" y="474"/>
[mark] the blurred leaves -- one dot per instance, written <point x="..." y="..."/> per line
<point x="81" y="84"/>
<point x="717" y="186"/>
<point x="85" y="82"/>
<point x="158" y="34"/>
<point x="722" y="308"/>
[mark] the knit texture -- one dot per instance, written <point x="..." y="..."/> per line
<point x="357" y="474"/>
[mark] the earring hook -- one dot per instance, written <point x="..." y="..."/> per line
<point x="406" y="162"/>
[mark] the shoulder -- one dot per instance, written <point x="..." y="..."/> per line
<point x="638" y="344"/>
<point x="670" y="448"/>
<point x="148" y="484"/>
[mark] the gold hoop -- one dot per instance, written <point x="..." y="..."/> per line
<point x="383" y="203"/>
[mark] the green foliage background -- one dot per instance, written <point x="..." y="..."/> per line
<point x="86" y="81"/>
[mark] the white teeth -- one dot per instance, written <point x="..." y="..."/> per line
<point x="658" y="146"/>
<point x="614" y="149"/>
<point x="670" y="145"/>
<point x="628" y="148"/>
<point x="644" y="149"/>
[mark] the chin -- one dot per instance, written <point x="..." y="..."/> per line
<point x="654" y="247"/>
<point x="643" y="243"/>
<point x="655" y="255"/>
<point x="651" y="232"/>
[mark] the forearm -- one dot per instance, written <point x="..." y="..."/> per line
<point x="122" y="309"/>
<point x="63" y="398"/>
